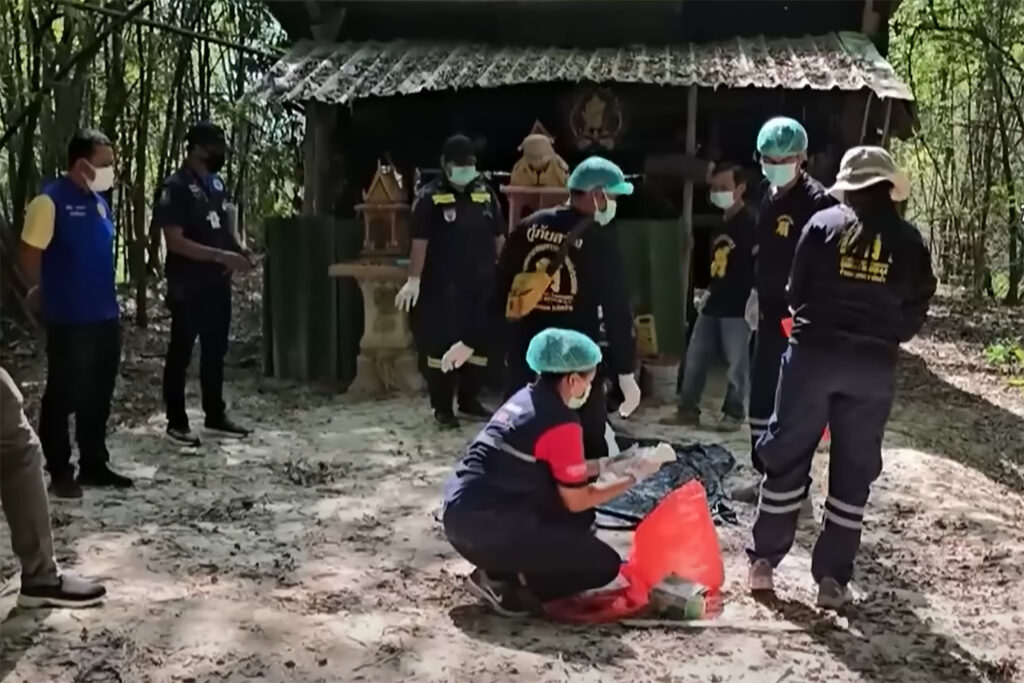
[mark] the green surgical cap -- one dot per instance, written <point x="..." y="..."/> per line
<point x="599" y="173"/>
<point x="782" y="137"/>
<point x="562" y="351"/>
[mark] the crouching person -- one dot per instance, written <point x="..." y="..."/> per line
<point x="519" y="505"/>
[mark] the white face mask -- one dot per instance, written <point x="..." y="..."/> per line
<point x="576" y="402"/>
<point x="103" y="179"/>
<point x="604" y="217"/>
<point x="723" y="200"/>
<point x="779" y="175"/>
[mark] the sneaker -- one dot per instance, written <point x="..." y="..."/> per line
<point x="682" y="418"/>
<point x="747" y="494"/>
<point x="474" y="410"/>
<point x="446" y="420"/>
<point x="503" y="598"/>
<point x="729" y="424"/>
<point x="832" y="594"/>
<point x="226" y="428"/>
<point x="65" y="486"/>
<point x="761" y="577"/>
<point x="104" y="477"/>
<point x="72" y="591"/>
<point x="183" y="436"/>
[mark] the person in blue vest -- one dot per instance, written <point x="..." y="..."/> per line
<point x="519" y="505"/>
<point x="203" y="251"/>
<point x="67" y="258"/>
<point x="860" y="285"/>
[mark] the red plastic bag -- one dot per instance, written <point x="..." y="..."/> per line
<point x="677" y="537"/>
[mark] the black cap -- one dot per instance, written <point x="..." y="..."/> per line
<point x="205" y="133"/>
<point x="459" y="150"/>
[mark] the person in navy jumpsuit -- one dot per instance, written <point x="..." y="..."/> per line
<point x="860" y="285"/>
<point x="791" y="199"/>
<point x="519" y="504"/>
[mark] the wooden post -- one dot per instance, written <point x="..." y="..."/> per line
<point x="885" y="126"/>
<point x="321" y="119"/>
<point x="686" y="225"/>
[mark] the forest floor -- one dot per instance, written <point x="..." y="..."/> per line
<point x="310" y="552"/>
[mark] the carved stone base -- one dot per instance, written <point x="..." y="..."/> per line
<point x="385" y="372"/>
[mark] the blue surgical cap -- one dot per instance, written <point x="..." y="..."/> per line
<point x="782" y="137"/>
<point x="599" y="173"/>
<point x="562" y="351"/>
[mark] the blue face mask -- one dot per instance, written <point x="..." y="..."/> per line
<point x="462" y="175"/>
<point x="779" y="175"/>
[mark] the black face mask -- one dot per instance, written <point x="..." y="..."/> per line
<point x="215" y="160"/>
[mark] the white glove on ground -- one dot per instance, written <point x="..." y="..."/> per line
<point x="630" y="394"/>
<point x="751" y="313"/>
<point x="455" y="357"/>
<point x="700" y="299"/>
<point x="408" y="295"/>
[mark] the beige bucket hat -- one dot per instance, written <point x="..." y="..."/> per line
<point x="865" y="166"/>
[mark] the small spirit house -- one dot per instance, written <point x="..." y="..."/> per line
<point x="385" y="212"/>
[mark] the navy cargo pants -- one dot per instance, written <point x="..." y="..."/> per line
<point x="849" y="388"/>
<point x="769" y="345"/>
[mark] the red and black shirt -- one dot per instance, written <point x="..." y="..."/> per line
<point x="532" y="445"/>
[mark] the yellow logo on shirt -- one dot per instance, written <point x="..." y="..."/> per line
<point x="866" y="263"/>
<point x="720" y="262"/>
<point x="445" y="198"/>
<point x="782" y="226"/>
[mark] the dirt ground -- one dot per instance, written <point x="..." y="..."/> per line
<point x="311" y="552"/>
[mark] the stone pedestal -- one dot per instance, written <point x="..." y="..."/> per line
<point x="387" y="359"/>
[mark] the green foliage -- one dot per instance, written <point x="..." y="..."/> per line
<point x="1006" y="354"/>
<point x="964" y="60"/>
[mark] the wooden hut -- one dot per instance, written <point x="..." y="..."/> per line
<point x="646" y="83"/>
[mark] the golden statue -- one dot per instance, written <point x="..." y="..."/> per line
<point x="540" y="165"/>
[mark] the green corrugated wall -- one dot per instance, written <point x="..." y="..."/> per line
<point x="312" y="323"/>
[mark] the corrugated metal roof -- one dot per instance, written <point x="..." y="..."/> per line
<point x="338" y="73"/>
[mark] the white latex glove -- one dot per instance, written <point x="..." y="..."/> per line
<point x="455" y="357"/>
<point x="751" y="313"/>
<point x="408" y="295"/>
<point x="648" y="461"/>
<point x="700" y="299"/>
<point x="630" y="394"/>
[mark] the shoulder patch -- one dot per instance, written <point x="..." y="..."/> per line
<point x="443" y="198"/>
<point x="480" y="197"/>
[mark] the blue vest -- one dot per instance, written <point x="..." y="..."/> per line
<point x="77" y="280"/>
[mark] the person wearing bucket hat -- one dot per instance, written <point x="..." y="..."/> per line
<point x="790" y="199"/>
<point x="861" y="284"/>
<point x="519" y="505"/>
<point x="574" y="252"/>
<point x="457" y="232"/>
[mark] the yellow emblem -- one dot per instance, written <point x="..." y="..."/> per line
<point x="782" y="226"/>
<point x="447" y="198"/>
<point x="720" y="261"/>
<point x="480" y="197"/>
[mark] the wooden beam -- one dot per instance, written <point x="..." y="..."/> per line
<point x="886" y="125"/>
<point x="867" y="115"/>
<point x="686" y="225"/>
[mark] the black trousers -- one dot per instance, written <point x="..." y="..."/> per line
<point x="444" y="387"/>
<point x="557" y="559"/>
<point x="593" y="414"/>
<point x="81" y="370"/>
<point x="205" y="315"/>
<point x="769" y="345"/>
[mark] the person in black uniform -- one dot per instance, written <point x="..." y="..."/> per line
<point x="519" y="504"/>
<point x="721" y="329"/>
<point x="589" y="289"/>
<point x="860" y="285"/>
<point x="457" y="232"/>
<point x="790" y="200"/>
<point x="203" y="251"/>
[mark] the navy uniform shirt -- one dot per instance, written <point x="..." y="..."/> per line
<point x="197" y="206"/>
<point x="860" y="281"/>
<point x="779" y="222"/>
<point x="591" y="279"/>
<point x="460" y="227"/>
<point x="732" y="266"/>
<point x="532" y="445"/>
